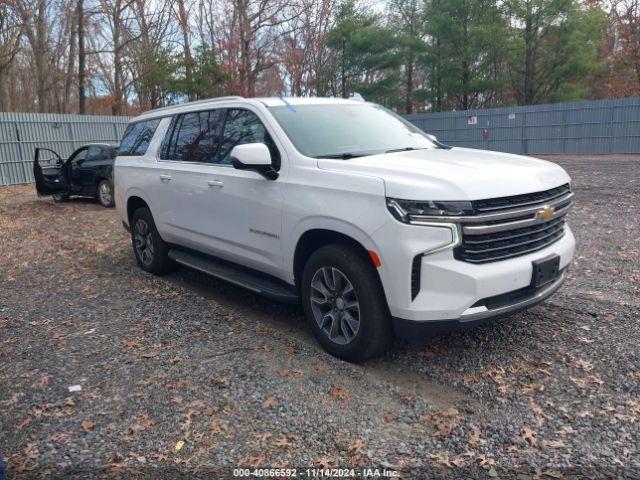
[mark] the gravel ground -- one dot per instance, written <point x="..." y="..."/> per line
<point x="185" y="376"/>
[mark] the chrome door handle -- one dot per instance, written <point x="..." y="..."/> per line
<point x="215" y="183"/>
<point x="165" y="178"/>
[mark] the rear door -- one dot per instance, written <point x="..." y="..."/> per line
<point x="86" y="170"/>
<point x="50" y="173"/>
<point x="75" y="162"/>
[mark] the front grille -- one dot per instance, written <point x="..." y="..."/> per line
<point x="509" y="226"/>
<point x="492" y="205"/>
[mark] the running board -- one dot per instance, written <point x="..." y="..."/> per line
<point x="236" y="275"/>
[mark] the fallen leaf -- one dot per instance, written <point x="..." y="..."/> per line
<point x="532" y="387"/>
<point x="129" y="344"/>
<point x="23" y="424"/>
<point x="339" y="392"/>
<point x="290" y="374"/>
<point x="529" y="436"/>
<point x="87" y="425"/>
<point x="441" y="459"/>
<point x="553" y="443"/>
<point x="388" y="417"/>
<point x="320" y="367"/>
<point x="323" y="463"/>
<point x="215" y="427"/>
<point x="355" y="447"/>
<point x="59" y="437"/>
<point x="178" y="446"/>
<point x="252" y="461"/>
<point x="270" y="401"/>
<point x="286" y="441"/>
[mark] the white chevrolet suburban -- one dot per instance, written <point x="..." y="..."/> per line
<point x="375" y="227"/>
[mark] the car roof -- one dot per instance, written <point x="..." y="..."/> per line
<point x="267" y="101"/>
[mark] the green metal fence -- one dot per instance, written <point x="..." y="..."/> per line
<point x="21" y="133"/>
<point x="599" y="126"/>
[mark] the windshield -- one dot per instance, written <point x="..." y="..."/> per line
<point x="347" y="130"/>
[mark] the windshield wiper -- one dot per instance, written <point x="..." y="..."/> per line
<point x="343" y="156"/>
<point x="404" y="149"/>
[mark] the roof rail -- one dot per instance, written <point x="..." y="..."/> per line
<point x="196" y="102"/>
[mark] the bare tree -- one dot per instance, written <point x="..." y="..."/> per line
<point x="303" y="53"/>
<point x="37" y="27"/>
<point x="626" y="49"/>
<point x="10" y="33"/>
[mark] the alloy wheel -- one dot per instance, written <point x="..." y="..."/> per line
<point x="143" y="241"/>
<point x="335" y="305"/>
<point x="105" y="193"/>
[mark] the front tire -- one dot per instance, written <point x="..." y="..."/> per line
<point x="151" y="252"/>
<point x="105" y="194"/>
<point x="345" y="304"/>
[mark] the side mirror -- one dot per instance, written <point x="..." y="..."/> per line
<point x="255" y="157"/>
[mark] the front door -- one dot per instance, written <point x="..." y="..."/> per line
<point x="248" y="222"/>
<point x="229" y="213"/>
<point x="50" y="173"/>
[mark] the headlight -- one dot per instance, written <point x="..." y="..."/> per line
<point x="408" y="210"/>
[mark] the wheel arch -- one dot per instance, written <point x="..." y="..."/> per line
<point x="315" y="238"/>
<point x="134" y="202"/>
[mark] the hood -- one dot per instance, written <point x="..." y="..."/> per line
<point x="454" y="174"/>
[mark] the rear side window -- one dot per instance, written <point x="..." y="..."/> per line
<point x="194" y="137"/>
<point x="94" y="153"/>
<point x="137" y="138"/>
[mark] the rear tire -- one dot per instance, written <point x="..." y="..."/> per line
<point x="151" y="252"/>
<point x="345" y="304"/>
<point x="105" y="194"/>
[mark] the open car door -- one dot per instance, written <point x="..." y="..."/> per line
<point x="50" y="173"/>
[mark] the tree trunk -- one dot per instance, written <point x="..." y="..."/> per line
<point x="68" y="81"/>
<point x="343" y="73"/>
<point x="408" y="108"/>
<point x="529" y="68"/>
<point x="5" y="96"/>
<point x="81" y="60"/>
<point x="438" y="78"/>
<point x="116" y="104"/>
<point x="40" y="55"/>
<point x="188" y="58"/>
<point x="465" y="66"/>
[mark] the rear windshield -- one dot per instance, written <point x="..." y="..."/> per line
<point x="137" y="137"/>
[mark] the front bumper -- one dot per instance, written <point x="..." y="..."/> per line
<point x="450" y="289"/>
<point x="511" y="303"/>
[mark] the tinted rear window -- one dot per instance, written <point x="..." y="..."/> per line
<point x="137" y="137"/>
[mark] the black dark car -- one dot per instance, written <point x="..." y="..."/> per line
<point x="87" y="172"/>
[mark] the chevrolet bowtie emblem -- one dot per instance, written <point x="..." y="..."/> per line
<point x="546" y="213"/>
